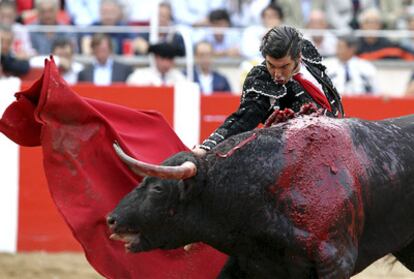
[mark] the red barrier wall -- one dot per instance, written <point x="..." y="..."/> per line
<point x="40" y="225"/>
<point x="215" y="109"/>
<point x="374" y="108"/>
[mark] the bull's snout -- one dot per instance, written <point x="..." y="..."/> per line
<point x="111" y="221"/>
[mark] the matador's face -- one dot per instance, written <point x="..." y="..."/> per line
<point x="282" y="69"/>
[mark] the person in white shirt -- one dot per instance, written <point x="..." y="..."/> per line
<point x="83" y="12"/>
<point x="104" y="70"/>
<point x="226" y="43"/>
<point x="272" y="16"/>
<point x="210" y="80"/>
<point x="326" y="41"/>
<point x="351" y="75"/>
<point x="245" y="13"/>
<point x="163" y="72"/>
<point x="21" y="46"/>
<point x="69" y="69"/>
<point x="194" y="13"/>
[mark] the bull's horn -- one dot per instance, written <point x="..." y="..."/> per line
<point x="186" y="170"/>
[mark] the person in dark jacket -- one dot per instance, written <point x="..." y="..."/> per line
<point x="10" y="64"/>
<point x="210" y="81"/>
<point x="104" y="69"/>
<point x="290" y="76"/>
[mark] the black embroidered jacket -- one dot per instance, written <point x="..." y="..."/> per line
<point x="261" y="96"/>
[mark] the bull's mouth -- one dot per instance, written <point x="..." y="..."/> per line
<point x="133" y="241"/>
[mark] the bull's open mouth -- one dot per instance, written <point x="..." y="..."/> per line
<point x="132" y="241"/>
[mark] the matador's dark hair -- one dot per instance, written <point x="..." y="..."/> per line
<point x="281" y="41"/>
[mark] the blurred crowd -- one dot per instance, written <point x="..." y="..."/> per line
<point x="218" y="29"/>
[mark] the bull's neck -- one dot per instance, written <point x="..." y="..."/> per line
<point x="220" y="223"/>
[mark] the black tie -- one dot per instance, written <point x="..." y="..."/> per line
<point x="347" y="74"/>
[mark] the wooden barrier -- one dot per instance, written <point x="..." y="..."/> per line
<point x="215" y="109"/>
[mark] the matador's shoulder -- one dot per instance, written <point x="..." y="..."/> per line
<point x="258" y="81"/>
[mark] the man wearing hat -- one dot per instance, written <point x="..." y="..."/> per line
<point x="163" y="72"/>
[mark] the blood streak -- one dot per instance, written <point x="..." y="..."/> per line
<point x="240" y="145"/>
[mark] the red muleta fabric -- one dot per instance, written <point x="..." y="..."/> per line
<point x="86" y="179"/>
<point x="316" y="94"/>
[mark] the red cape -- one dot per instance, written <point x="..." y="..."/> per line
<point x="86" y="179"/>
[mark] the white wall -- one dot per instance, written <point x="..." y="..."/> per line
<point x="8" y="174"/>
<point x="187" y="112"/>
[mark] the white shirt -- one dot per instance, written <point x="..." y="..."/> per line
<point x="21" y="40"/>
<point x="251" y="39"/>
<point x="231" y="39"/>
<point x="307" y="75"/>
<point x="83" y="12"/>
<point x="71" y="76"/>
<point x="248" y="13"/>
<point x="102" y="73"/>
<point x="188" y="12"/>
<point x="206" y="83"/>
<point x="138" y="10"/>
<point x="327" y="47"/>
<point x="361" y="76"/>
<point x="152" y="77"/>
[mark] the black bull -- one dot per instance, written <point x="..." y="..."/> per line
<point x="314" y="197"/>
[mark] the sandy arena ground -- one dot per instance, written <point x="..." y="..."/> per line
<point x="75" y="266"/>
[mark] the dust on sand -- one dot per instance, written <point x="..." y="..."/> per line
<point x="74" y="266"/>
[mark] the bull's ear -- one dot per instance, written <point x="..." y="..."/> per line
<point x="192" y="186"/>
<point x="184" y="188"/>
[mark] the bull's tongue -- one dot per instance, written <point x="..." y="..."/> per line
<point x="132" y="241"/>
<point x="126" y="237"/>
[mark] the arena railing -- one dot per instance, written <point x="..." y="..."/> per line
<point x="186" y="32"/>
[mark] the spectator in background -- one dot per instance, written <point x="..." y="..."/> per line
<point x="350" y="74"/>
<point x="83" y="12"/>
<point x="376" y="47"/>
<point x="272" y="16"/>
<point x="47" y="11"/>
<point x="224" y="42"/>
<point x="24" y="5"/>
<point x="407" y="9"/>
<point x="343" y="15"/>
<point x="194" y="13"/>
<point x="244" y="13"/>
<point x="391" y="12"/>
<point x="110" y="14"/>
<point x="410" y="87"/>
<point x="25" y="9"/>
<point x="68" y="68"/>
<point x="165" y="19"/>
<point x="21" y="46"/>
<point x="163" y="72"/>
<point x="138" y="12"/>
<point x="408" y="42"/>
<point x="10" y="64"/>
<point x="297" y="12"/>
<point x="210" y="81"/>
<point x="325" y="42"/>
<point x="104" y="70"/>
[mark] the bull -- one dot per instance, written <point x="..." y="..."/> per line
<point x="313" y="197"/>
